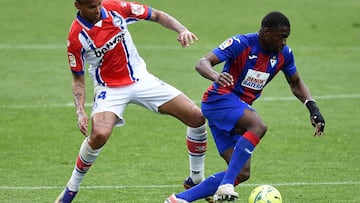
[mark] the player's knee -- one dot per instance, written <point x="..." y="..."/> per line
<point x="263" y="128"/>
<point x="98" y="138"/>
<point x="260" y="129"/>
<point x="197" y="119"/>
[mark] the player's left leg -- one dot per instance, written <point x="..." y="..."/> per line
<point x="254" y="130"/>
<point x="163" y="98"/>
<point x="186" y="111"/>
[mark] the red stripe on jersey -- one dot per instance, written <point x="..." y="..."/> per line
<point x="237" y="69"/>
<point x="280" y="63"/>
<point x="238" y="65"/>
<point x="249" y="95"/>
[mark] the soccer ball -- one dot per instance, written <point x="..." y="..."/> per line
<point x="265" y="194"/>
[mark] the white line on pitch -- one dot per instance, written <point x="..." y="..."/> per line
<point x="174" y="186"/>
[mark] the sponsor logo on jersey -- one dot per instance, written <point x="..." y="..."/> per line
<point x="237" y="39"/>
<point x="99" y="52"/>
<point x="72" y="60"/>
<point x="253" y="57"/>
<point x="137" y="9"/>
<point x="255" y="80"/>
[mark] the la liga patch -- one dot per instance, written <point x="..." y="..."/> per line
<point x="226" y="44"/>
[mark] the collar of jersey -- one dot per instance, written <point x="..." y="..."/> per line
<point x="86" y="23"/>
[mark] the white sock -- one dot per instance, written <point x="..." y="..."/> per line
<point x="86" y="158"/>
<point x="196" y="140"/>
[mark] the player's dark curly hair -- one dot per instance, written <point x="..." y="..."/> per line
<point x="275" y="19"/>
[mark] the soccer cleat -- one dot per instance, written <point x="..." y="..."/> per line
<point x="66" y="196"/>
<point x="226" y="193"/>
<point x="174" y="199"/>
<point x="189" y="183"/>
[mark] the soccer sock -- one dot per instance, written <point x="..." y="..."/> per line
<point x="205" y="189"/>
<point x="86" y="158"/>
<point x="196" y="140"/>
<point x="242" y="152"/>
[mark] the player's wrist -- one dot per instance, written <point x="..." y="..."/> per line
<point x="312" y="107"/>
<point x="80" y="112"/>
<point x="308" y="100"/>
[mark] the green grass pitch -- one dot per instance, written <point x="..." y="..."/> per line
<point x="146" y="160"/>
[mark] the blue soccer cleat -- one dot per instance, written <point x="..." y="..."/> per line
<point x="66" y="196"/>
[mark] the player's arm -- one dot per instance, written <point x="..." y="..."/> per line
<point x="300" y="90"/>
<point x="78" y="87"/>
<point x="185" y="37"/>
<point x="205" y="68"/>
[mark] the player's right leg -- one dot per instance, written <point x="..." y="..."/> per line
<point x="90" y="149"/>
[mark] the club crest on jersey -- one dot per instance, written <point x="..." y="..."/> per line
<point x="117" y="21"/>
<point x="99" y="52"/>
<point x="273" y="62"/>
<point x="255" y="80"/>
<point x="137" y="9"/>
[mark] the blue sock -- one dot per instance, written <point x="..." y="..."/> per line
<point x="205" y="189"/>
<point x="242" y="152"/>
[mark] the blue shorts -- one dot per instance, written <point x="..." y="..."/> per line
<point x="222" y="113"/>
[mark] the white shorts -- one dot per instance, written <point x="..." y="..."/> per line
<point x="149" y="92"/>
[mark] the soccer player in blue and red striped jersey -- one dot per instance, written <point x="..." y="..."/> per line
<point x="251" y="61"/>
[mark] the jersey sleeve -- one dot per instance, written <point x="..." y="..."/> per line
<point x="76" y="53"/>
<point x="230" y="48"/>
<point x="131" y="11"/>
<point x="289" y="66"/>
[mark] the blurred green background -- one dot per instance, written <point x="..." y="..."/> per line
<point x="146" y="160"/>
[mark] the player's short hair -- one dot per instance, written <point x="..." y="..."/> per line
<point x="275" y="19"/>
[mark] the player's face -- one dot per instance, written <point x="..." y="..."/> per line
<point x="90" y="10"/>
<point x="275" y="39"/>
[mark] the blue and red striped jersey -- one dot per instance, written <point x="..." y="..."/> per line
<point x="250" y="65"/>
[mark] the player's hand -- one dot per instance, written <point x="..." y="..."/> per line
<point x="225" y="79"/>
<point x="186" y="38"/>
<point x="83" y="123"/>
<point x="318" y="122"/>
